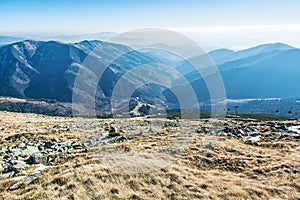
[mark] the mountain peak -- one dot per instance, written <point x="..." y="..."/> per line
<point x="221" y="56"/>
<point x="221" y="52"/>
<point x="268" y="47"/>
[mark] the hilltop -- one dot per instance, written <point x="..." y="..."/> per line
<point x="69" y="158"/>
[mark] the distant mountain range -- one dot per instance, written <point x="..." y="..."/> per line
<point x="80" y="37"/>
<point x="47" y="70"/>
<point x="5" y="40"/>
<point x="265" y="71"/>
<point x="225" y="55"/>
<point x="9" y="39"/>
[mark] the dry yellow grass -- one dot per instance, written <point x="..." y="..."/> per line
<point x="231" y="170"/>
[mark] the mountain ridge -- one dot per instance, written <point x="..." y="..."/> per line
<point x="47" y="70"/>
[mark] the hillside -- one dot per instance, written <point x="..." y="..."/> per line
<point x="266" y="71"/>
<point x="39" y="70"/>
<point x="67" y="158"/>
<point x="47" y="70"/>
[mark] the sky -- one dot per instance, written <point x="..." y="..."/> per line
<point x="231" y="24"/>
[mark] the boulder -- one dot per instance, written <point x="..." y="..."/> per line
<point x="37" y="158"/>
<point x="24" y="180"/>
<point x="16" y="166"/>
<point x="7" y="175"/>
<point x="31" y="150"/>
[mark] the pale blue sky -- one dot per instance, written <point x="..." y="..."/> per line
<point x="228" y="23"/>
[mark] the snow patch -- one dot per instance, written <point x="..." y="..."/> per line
<point x="247" y="100"/>
<point x="39" y="168"/>
<point x="30" y="48"/>
<point x="18" y="178"/>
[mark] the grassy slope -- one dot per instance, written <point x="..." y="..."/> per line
<point x="232" y="170"/>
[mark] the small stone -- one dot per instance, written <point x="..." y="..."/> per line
<point x="21" y="145"/>
<point x="76" y="146"/>
<point x="241" y="132"/>
<point x="114" y="191"/>
<point x="140" y="133"/>
<point x="297" y="137"/>
<point x="223" y="134"/>
<point x="49" y="144"/>
<point x="210" y="145"/>
<point x="205" y="130"/>
<point x="40" y="147"/>
<point x="271" y="124"/>
<point x="283" y="136"/>
<point x="284" y="127"/>
<point x="112" y="129"/>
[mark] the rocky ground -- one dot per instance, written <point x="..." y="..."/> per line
<point x="45" y="107"/>
<point x="43" y="157"/>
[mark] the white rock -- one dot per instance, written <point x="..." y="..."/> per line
<point x="294" y="129"/>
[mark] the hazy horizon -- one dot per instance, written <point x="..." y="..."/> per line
<point x="89" y="36"/>
<point x="214" y="24"/>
